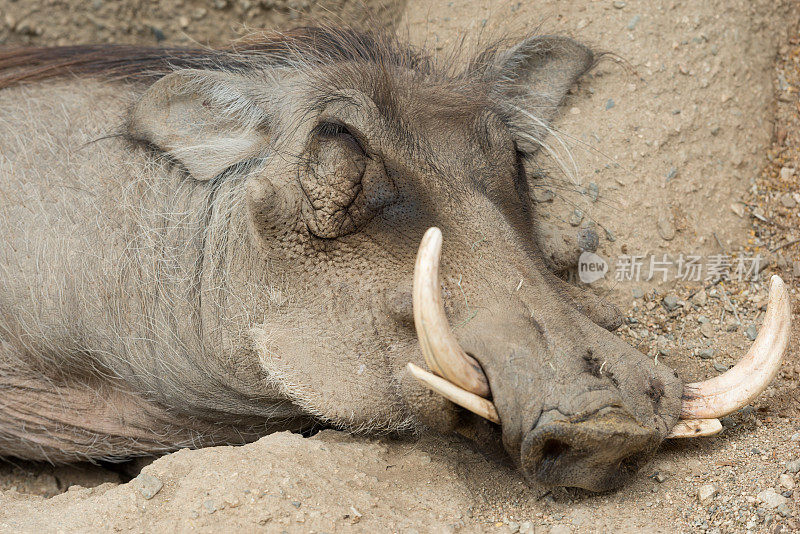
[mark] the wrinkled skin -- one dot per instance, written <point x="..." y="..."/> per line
<point x="317" y="184"/>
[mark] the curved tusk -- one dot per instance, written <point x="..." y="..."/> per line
<point x="441" y="350"/>
<point x="695" y="428"/>
<point x="453" y="393"/>
<point x="741" y="384"/>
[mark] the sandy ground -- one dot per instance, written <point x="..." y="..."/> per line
<point x="692" y="144"/>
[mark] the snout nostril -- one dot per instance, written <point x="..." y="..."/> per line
<point x="552" y="449"/>
<point x="598" y="452"/>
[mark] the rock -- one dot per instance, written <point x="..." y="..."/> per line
<point x="720" y="368"/>
<point x="541" y="194"/>
<point x="784" y="510"/>
<point x="700" y="298"/>
<point x="786" y="480"/>
<point x="148" y="485"/>
<point x="588" y="239"/>
<point x="787" y="173"/>
<point x="633" y="22"/>
<point x="220" y="4"/>
<point x="738" y="208"/>
<point x="788" y="201"/>
<point x="666" y="226"/>
<point x="619" y="5"/>
<point x="770" y="499"/>
<point x="594" y="191"/>
<point x="660" y="477"/>
<point x="513" y="527"/>
<point x="637" y="293"/>
<point x="706" y="493"/>
<point x="670" y="302"/>
<point x="610" y="104"/>
<point x="793" y="466"/>
<point x="707" y="329"/>
<point x="751" y="332"/>
<point x="560" y="529"/>
<point x="728" y="422"/>
<point x="795" y="436"/>
<point x="158" y="33"/>
<point x="672" y="173"/>
<point x="209" y="506"/>
<point x="526" y="527"/>
<point x="576" y="217"/>
<point x="706" y="354"/>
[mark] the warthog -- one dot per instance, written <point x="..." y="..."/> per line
<point x="204" y="246"/>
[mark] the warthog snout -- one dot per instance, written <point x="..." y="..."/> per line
<point x="595" y="452"/>
<point x="575" y="405"/>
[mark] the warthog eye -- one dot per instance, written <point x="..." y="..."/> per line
<point x="331" y="129"/>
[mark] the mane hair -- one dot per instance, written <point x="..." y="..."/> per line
<point x="305" y="46"/>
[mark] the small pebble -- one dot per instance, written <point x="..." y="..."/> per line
<point x="633" y="22"/>
<point x="157" y="33"/>
<point x="728" y="422"/>
<point x="620" y="5"/>
<point x="706" y="354"/>
<point x="770" y="499"/>
<point x="738" y="208"/>
<point x="672" y="173"/>
<point x="720" y="368"/>
<point x="210" y="506"/>
<point x="751" y="332"/>
<point x="786" y="480"/>
<point x="543" y="195"/>
<point x="706" y="493"/>
<point x="700" y="298"/>
<point x="666" y="226"/>
<point x="788" y="201"/>
<point x="707" y="329"/>
<point x="637" y="293"/>
<point x="610" y="104"/>
<point x="670" y="302"/>
<point x="594" y="191"/>
<point x="576" y="217"/>
<point x="148" y="485"/>
<point x="793" y="466"/>
<point x="786" y="173"/>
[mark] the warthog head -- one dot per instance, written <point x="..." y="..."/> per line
<point x="325" y="156"/>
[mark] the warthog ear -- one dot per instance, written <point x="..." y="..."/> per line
<point x="206" y="120"/>
<point x="533" y="76"/>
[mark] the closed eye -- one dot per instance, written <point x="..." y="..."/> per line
<point x="337" y="130"/>
<point x="520" y="179"/>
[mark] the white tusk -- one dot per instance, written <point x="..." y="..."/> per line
<point x="695" y="428"/>
<point x="465" y="399"/>
<point x="441" y="350"/>
<point x="741" y="384"/>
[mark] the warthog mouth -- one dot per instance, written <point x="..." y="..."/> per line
<point x="458" y="377"/>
